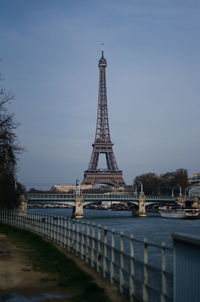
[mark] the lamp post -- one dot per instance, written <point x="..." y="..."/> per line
<point x="180" y="193"/>
<point x="142" y="201"/>
<point x="186" y="191"/>
<point x="172" y="192"/>
<point x="78" y="191"/>
<point x="141" y="188"/>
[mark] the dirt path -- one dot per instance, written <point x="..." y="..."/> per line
<point x="18" y="276"/>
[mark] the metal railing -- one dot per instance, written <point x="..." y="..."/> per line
<point x="141" y="270"/>
<point x="92" y="197"/>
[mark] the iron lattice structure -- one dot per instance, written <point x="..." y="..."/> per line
<point x="102" y="143"/>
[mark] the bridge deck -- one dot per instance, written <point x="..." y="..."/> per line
<point x="48" y="197"/>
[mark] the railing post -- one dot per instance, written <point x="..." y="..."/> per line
<point x="98" y="248"/>
<point x="163" y="268"/>
<point x="31" y="222"/>
<point x="112" y="257"/>
<point x="36" y="222"/>
<point x="15" y="218"/>
<point x="77" y="238"/>
<point x="54" y="227"/>
<point x="9" y="216"/>
<point x="43" y="220"/>
<point x="51" y="227"/>
<point x="41" y="223"/>
<point x="4" y="215"/>
<point x="59" y="230"/>
<point x="87" y="243"/>
<point x="20" y="218"/>
<point x="73" y="234"/>
<point x="121" y="270"/>
<point x="64" y="232"/>
<point x="69" y="235"/>
<point x="82" y="239"/>
<point x="145" y="290"/>
<point x="93" y="246"/>
<point x="132" y="270"/>
<point x="105" y="251"/>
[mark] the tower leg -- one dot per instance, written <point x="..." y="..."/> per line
<point x="78" y="210"/>
<point x="142" y="208"/>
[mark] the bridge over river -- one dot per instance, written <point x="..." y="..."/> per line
<point x="79" y="201"/>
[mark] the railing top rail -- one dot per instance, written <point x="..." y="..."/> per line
<point x="99" y="226"/>
<point x="100" y="194"/>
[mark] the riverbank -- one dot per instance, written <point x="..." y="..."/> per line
<point x="33" y="267"/>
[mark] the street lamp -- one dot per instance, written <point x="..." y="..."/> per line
<point x="172" y="192"/>
<point x="141" y="188"/>
<point x="186" y="191"/>
<point x="180" y="193"/>
<point x="77" y="187"/>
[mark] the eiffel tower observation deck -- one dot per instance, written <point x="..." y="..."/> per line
<point x="102" y="143"/>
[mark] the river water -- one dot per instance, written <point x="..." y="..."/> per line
<point x="152" y="227"/>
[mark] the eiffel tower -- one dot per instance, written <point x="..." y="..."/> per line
<point x="102" y="143"/>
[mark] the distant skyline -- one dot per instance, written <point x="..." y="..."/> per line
<point x="49" y="59"/>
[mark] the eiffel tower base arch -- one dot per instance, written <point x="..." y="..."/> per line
<point x="114" y="179"/>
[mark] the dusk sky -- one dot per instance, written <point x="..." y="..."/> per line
<point x="49" y="54"/>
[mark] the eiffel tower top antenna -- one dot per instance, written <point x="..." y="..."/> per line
<point x="102" y="49"/>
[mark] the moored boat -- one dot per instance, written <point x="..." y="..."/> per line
<point x="192" y="213"/>
<point x="178" y="213"/>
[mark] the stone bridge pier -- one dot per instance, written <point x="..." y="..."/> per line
<point x="78" y="209"/>
<point x="142" y="203"/>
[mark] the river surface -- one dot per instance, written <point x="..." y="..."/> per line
<point x="152" y="227"/>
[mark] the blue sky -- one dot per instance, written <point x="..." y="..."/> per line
<point x="50" y="52"/>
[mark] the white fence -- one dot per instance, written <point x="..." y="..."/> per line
<point x="141" y="270"/>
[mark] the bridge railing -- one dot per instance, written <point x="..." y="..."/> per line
<point x="140" y="269"/>
<point x="56" y="197"/>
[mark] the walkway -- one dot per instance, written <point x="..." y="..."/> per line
<point x="17" y="277"/>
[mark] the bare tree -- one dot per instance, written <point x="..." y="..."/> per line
<point x="9" y="149"/>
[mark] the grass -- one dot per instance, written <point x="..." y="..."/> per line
<point x="45" y="257"/>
